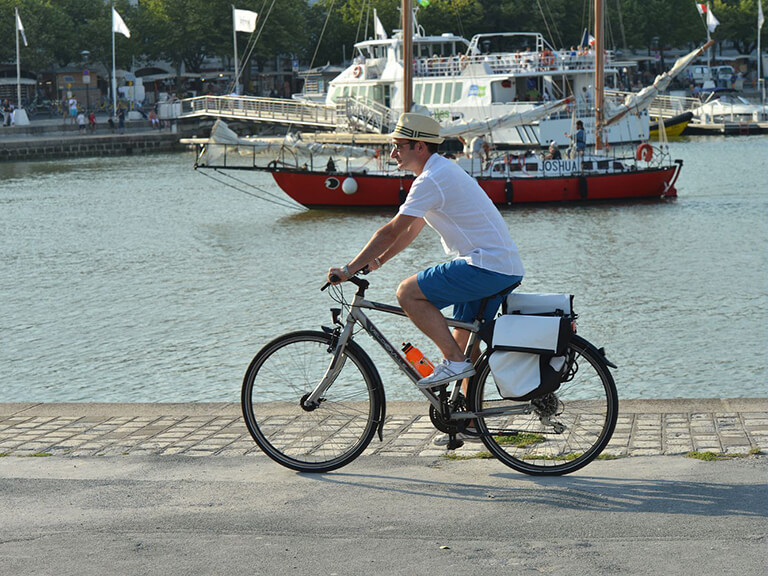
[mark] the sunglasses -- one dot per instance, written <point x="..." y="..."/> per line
<point x="399" y="147"/>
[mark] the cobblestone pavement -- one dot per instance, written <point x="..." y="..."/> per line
<point x="654" y="427"/>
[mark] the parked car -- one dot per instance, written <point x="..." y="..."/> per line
<point x="699" y="74"/>
<point x="723" y="75"/>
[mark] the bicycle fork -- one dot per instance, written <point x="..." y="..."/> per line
<point x="339" y="339"/>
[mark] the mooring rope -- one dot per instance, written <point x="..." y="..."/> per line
<point x="274" y="199"/>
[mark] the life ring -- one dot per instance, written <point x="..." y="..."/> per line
<point x="356" y="71"/>
<point x="644" y="152"/>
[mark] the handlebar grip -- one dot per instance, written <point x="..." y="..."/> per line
<point x="334" y="278"/>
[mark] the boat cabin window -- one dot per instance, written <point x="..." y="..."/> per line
<point x="436" y="92"/>
<point x="376" y="51"/>
<point x="417" y="93"/>
<point x="429" y="49"/>
<point x="448" y="93"/>
<point x="438" y="97"/>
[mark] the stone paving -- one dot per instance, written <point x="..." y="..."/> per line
<point x="667" y="427"/>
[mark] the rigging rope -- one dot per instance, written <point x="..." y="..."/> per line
<point x="278" y="200"/>
<point x="325" y="25"/>
<point x="546" y="24"/>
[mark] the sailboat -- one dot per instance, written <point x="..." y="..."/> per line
<point x="507" y="178"/>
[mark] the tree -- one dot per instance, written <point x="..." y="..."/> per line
<point x="738" y="23"/>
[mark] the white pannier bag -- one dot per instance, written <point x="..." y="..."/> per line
<point x="529" y="344"/>
<point x="538" y="304"/>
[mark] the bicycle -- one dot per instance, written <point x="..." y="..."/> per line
<point x="313" y="400"/>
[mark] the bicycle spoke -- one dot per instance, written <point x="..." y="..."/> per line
<point x="562" y="431"/>
<point x="330" y="434"/>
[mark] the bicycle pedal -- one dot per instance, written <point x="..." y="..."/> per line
<point x="453" y="444"/>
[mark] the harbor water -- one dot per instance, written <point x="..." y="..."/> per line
<point x="138" y="279"/>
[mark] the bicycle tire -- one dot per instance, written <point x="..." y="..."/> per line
<point x="586" y="405"/>
<point x="328" y="437"/>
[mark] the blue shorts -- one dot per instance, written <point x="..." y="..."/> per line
<point x="464" y="286"/>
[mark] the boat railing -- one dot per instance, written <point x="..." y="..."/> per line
<point x="278" y="110"/>
<point x="367" y="114"/>
<point x="518" y="63"/>
<point x="663" y="105"/>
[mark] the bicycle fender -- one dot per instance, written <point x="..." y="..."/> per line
<point x="600" y="352"/>
<point x="382" y="413"/>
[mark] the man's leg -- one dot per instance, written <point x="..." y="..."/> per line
<point x="428" y="319"/>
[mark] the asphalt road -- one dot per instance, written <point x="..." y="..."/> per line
<point x="667" y="515"/>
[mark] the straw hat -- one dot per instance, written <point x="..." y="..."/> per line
<point x="417" y="127"/>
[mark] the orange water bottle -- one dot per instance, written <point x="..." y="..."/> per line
<point x="417" y="359"/>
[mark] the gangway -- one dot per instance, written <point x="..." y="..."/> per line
<point x="254" y="109"/>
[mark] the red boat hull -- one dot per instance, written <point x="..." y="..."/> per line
<point x="320" y="189"/>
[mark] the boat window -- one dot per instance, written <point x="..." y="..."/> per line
<point x="448" y="93"/>
<point x="378" y="95"/>
<point x="457" y="91"/>
<point x="417" y="93"/>
<point x="438" y="93"/>
<point x="427" y="93"/>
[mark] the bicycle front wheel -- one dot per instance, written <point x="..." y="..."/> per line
<point x="559" y="432"/>
<point x="323" y="438"/>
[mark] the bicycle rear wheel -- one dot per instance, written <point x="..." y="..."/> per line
<point x="326" y="437"/>
<point x="561" y="431"/>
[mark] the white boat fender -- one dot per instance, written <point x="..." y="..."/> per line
<point x="349" y="186"/>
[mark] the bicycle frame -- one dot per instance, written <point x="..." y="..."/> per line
<point x="357" y="316"/>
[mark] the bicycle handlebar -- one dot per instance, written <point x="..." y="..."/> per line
<point x="356" y="281"/>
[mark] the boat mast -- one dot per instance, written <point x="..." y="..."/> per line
<point x="406" y="9"/>
<point x="599" y="75"/>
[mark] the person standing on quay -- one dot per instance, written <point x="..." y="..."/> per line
<point x="121" y="120"/>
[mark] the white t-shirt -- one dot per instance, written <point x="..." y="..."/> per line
<point x="470" y="226"/>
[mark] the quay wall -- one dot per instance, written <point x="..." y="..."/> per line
<point x="75" y="145"/>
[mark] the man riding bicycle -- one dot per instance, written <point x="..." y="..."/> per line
<point x="486" y="260"/>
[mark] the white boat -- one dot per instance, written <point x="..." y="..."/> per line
<point x="490" y="76"/>
<point x="723" y="105"/>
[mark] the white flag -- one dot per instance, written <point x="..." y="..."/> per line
<point x="245" y="20"/>
<point x="712" y="22"/>
<point x="20" y="28"/>
<point x="381" y="34"/>
<point x="760" y="17"/>
<point x="118" y="25"/>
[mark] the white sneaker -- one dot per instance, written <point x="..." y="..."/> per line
<point x="442" y="440"/>
<point x="445" y="372"/>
